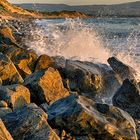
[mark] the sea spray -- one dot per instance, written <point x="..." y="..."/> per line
<point x="71" y="39"/>
<point x="75" y="39"/>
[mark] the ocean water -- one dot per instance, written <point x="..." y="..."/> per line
<point x="89" y="39"/>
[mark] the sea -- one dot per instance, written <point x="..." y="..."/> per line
<point x="93" y="39"/>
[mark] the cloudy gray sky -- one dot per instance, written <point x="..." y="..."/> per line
<point x="72" y="2"/>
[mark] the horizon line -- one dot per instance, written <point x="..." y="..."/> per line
<point x="76" y="4"/>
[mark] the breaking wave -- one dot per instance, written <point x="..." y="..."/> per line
<point x="75" y="39"/>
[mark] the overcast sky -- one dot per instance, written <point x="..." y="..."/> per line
<point x="72" y="2"/>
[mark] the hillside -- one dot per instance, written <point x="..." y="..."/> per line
<point x="9" y="11"/>
<point x="65" y="14"/>
<point x="120" y="10"/>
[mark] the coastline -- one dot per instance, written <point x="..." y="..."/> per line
<point x="44" y="97"/>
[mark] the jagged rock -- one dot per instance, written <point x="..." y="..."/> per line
<point x="84" y="119"/>
<point x="83" y="76"/>
<point x="4" y="134"/>
<point x="4" y="111"/>
<point x="24" y="60"/>
<point x="128" y="98"/>
<point x="46" y="86"/>
<point x="44" y="62"/>
<point x="16" y="95"/>
<point x="8" y="72"/>
<point x="88" y="79"/>
<point x="124" y="71"/>
<point x="29" y="123"/>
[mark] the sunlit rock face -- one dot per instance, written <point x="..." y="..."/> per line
<point x="8" y="72"/>
<point x="46" y="86"/>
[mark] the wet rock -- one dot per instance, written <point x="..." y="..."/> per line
<point x="88" y="79"/>
<point x="16" y="96"/>
<point x="124" y="71"/>
<point x="8" y="72"/>
<point x="29" y="123"/>
<point x="82" y="77"/>
<point x="46" y="86"/>
<point x="4" y="134"/>
<point x="128" y="98"/>
<point x="43" y="62"/>
<point x="85" y="119"/>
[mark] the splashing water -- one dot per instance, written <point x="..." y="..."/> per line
<point x="75" y="39"/>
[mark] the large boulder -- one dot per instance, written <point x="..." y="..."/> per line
<point x="29" y="123"/>
<point x="43" y="62"/>
<point x="8" y="72"/>
<point x="4" y="134"/>
<point x="81" y="76"/>
<point x="128" y="98"/>
<point x="123" y="70"/>
<point x="46" y="86"/>
<point x="16" y="95"/>
<point x="24" y="60"/>
<point x="84" y="119"/>
<point x="88" y="79"/>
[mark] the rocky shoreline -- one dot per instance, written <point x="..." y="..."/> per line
<point x="52" y="98"/>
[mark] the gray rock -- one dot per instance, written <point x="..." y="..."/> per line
<point x="128" y="98"/>
<point x="29" y="123"/>
<point x="123" y="70"/>
<point x="83" y="118"/>
<point x="88" y="79"/>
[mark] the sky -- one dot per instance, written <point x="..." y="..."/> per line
<point x="73" y="2"/>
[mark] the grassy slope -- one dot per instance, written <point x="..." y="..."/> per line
<point x="9" y="11"/>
